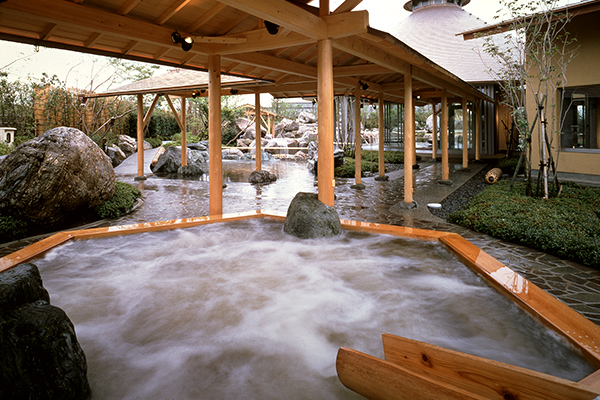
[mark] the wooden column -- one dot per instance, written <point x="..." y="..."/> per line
<point x="381" y="135"/>
<point x="409" y="137"/>
<point x="444" y="133"/>
<point x="140" y="134"/>
<point x="215" y="167"/>
<point x="357" y="136"/>
<point x="434" y="134"/>
<point x="183" y="133"/>
<point x="478" y="104"/>
<point x="325" y="98"/>
<point x="258" y="136"/>
<point x="465" y="133"/>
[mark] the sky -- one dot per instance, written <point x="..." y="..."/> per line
<point x="79" y="70"/>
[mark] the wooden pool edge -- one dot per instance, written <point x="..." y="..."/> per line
<point x="583" y="334"/>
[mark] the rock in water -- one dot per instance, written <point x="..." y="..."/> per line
<point x="307" y="217"/>
<point x="46" y="179"/>
<point x="41" y="358"/>
<point x="261" y="177"/>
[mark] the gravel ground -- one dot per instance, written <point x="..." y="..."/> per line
<point x="461" y="196"/>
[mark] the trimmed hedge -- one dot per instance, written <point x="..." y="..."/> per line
<point x="120" y="203"/>
<point x="567" y="226"/>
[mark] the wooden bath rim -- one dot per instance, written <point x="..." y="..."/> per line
<point x="583" y="334"/>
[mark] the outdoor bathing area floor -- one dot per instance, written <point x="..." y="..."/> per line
<point x="166" y="199"/>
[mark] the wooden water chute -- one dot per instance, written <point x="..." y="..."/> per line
<point x="414" y="370"/>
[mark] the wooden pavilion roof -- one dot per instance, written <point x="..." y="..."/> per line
<point x="284" y="64"/>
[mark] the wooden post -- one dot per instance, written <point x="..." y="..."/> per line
<point x="258" y="136"/>
<point x="434" y="134"/>
<point x="381" y="123"/>
<point x="140" y="134"/>
<point x="183" y="134"/>
<point x="478" y="105"/>
<point x="326" y="175"/>
<point x="465" y="133"/>
<point x="215" y="173"/>
<point x="444" y="133"/>
<point x="357" y="136"/>
<point x="409" y="137"/>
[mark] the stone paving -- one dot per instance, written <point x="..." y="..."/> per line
<point x="164" y="199"/>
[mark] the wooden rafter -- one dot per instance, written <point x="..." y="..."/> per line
<point x="172" y="10"/>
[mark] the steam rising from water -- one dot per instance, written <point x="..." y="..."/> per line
<point x="244" y="311"/>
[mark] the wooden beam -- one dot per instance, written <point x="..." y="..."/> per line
<point x="358" y="70"/>
<point x="260" y="40"/>
<point x="172" y="10"/>
<point x="325" y="127"/>
<point x="274" y="63"/>
<point x="174" y="110"/>
<point x="215" y="166"/>
<point x="207" y="16"/>
<point x="346" y="6"/>
<point x="150" y="110"/>
<point x="347" y="24"/>
<point x="92" y="39"/>
<point x="47" y="33"/>
<point x="367" y="51"/>
<point x="283" y="13"/>
<point x="128" y="6"/>
<point x="68" y="14"/>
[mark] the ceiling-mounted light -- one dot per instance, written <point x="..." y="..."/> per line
<point x="195" y="94"/>
<point x="272" y="28"/>
<point x="186" y="42"/>
<point x="314" y="101"/>
<point x="363" y="85"/>
<point x="233" y="91"/>
<point x="202" y="91"/>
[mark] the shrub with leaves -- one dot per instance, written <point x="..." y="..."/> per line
<point x="567" y="226"/>
<point x="120" y="203"/>
<point x="12" y="229"/>
<point x="347" y="169"/>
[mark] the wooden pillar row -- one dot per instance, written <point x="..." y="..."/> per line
<point x="325" y="92"/>
<point x="215" y="166"/>
<point x="357" y="136"/>
<point x="140" y="135"/>
<point x="257" y="136"/>
<point x="444" y="133"/>
<point x="409" y="137"/>
<point x="465" y="133"/>
<point x="381" y="123"/>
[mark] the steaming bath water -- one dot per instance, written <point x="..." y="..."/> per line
<point x="241" y="310"/>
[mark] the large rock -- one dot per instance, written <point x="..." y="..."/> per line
<point x="313" y="155"/>
<point x="127" y="144"/>
<point x="116" y="155"/>
<point x="306" y="118"/>
<point x="41" y="358"/>
<point x="307" y="217"/>
<point x="261" y="177"/>
<point x="54" y="176"/>
<point x="169" y="161"/>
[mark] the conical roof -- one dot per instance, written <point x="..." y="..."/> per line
<point x="432" y="30"/>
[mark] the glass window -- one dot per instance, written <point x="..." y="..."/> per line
<point x="580" y="125"/>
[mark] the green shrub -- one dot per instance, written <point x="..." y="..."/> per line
<point x="120" y="203"/>
<point x="390" y="157"/>
<point x="12" y="229"/>
<point x="509" y="164"/>
<point x="347" y="169"/>
<point x="567" y="226"/>
<point x="154" y="141"/>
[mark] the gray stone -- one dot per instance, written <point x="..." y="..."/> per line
<point x="261" y="177"/>
<point x="307" y="217"/>
<point x="306" y="118"/>
<point x="55" y="176"/>
<point x="127" y="144"/>
<point x="41" y="358"/>
<point x="197" y="146"/>
<point x="168" y="162"/>
<point x="116" y="155"/>
<point x="190" y="171"/>
<point x="147" y="145"/>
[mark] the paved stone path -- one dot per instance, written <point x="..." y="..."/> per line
<point x="164" y="199"/>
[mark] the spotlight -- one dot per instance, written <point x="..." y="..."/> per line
<point x="314" y="101"/>
<point x="272" y="28"/>
<point x="363" y="85"/>
<point x="186" y="42"/>
<point x="233" y="91"/>
<point x="202" y="91"/>
<point x="195" y="94"/>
